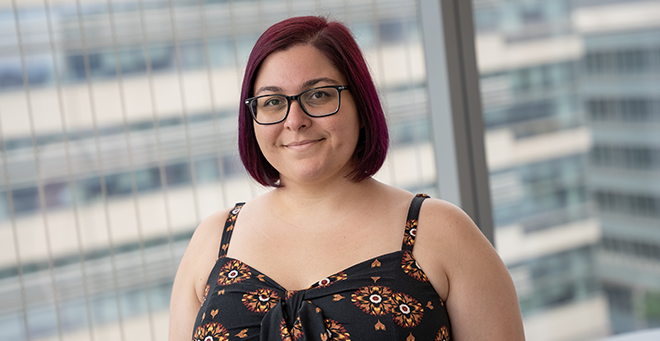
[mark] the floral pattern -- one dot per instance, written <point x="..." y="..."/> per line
<point x="411" y="232"/>
<point x="406" y="311"/>
<point x="340" y="276"/>
<point x="233" y="215"/>
<point x="335" y="331"/>
<point x="212" y="331"/>
<point x="284" y="331"/>
<point x="290" y="294"/>
<point x="297" y="332"/>
<point x="443" y="334"/>
<point x="410" y="267"/>
<point x="373" y="300"/>
<point x="206" y="293"/>
<point x="260" y="300"/>
<point x="233" y="272"/>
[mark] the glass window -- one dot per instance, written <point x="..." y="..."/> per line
<point x="548" y="189"/>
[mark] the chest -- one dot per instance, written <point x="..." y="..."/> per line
<point x="298" y="253"/>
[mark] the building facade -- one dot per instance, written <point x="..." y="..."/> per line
<point x="620" y="90"/>
<point x="537" y="143"/>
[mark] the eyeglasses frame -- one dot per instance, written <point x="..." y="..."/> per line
<point x="289" y="99"/>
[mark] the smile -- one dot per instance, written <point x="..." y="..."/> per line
<point x="301" y="144"/>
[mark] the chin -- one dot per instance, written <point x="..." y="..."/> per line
<point x="312" y="176"/>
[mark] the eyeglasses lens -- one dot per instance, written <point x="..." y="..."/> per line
<point x="315" y="102"/>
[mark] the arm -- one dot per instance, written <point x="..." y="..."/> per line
<point x="190" y="281"/>
<point x="467" y="272"/>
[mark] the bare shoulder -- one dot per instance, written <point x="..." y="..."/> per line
<point x="442" y="223"/>
<point x="192" y="274"/>
<point x="445" y="237"/>
<point x="202" y="251"/>
<point x="444" y="215"/>
<point x="468" y="274"/>
<point x="210" y="230"/>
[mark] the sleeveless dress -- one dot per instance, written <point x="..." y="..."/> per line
<point x="384" y="298"/>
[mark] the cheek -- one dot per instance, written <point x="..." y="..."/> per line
<point x="348" y="134"/>
<point x="355" y="126"/>
<point x="265" y="142"/>
<point x="263" y="136"/>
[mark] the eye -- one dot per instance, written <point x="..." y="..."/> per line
<point x="319" y="94"/>
<point x="273" y="102"/>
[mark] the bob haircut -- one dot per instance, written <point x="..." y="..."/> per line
<point x="336" y="43"/>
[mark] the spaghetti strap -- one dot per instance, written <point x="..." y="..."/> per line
<point x="228" y="229"/>
<point x="411" y="222"/>
<point x="388" y="297"/>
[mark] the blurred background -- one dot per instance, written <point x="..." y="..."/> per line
<point x="118" y="136"/>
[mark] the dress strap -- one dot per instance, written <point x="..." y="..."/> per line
<point x="228" y="229"/>
<point x="411" y="222"/>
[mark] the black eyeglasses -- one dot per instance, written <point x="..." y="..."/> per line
<point x="316" y="102"/>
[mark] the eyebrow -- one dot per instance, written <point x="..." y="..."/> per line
<point x="308" y="84"/>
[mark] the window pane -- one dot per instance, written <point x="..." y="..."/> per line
<point x="572" y="110"/>
<point x="119" y="135"/>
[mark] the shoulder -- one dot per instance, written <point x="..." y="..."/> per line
<point x="467" y="272"/>
<point x="209" y="232"/>
<point x="447" y="240"/>
<point x="192" y="274"/>
<point x="437" y="210"/>
<point x="444" y="223"/>
<point x="211" y="226"/>
<point x="447" y="232"/>
<point x="202" y="251"/>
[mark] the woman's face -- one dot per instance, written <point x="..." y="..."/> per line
<point x="302" y="148"/>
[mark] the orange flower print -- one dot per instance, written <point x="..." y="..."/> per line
<point x="206" y="293"/>
<point x="411" y="232"/>
<point x="260" y="300"/>
<point x="443" y="334"/>
<point x="233" y="214"/>
<point x="297" y="332"/>
<point x="410" y="267"/>
<point x="212" y="331"/>
<point x="406" y="311"/>
<point x="373" y="300"/>
<point x="231" y="219"/>
<point x="284" y="331"/>
<point x="290" y="294"/>
<point x="332" y="279"/>
<point x="336" y="332"/>
<point x="233" y="272"/>
<point x="242" y="334"/>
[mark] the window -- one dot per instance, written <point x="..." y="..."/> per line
<point x="623" y="109"/>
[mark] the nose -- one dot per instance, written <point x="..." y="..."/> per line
<point x="297" y="119"/>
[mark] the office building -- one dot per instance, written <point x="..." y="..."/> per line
<point x="537" y="144"/>
<point x="620" y="90"/>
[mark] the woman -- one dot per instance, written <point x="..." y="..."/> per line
<point x="330" y="253"/>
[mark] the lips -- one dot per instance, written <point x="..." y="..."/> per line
<point x="301" y="144"/>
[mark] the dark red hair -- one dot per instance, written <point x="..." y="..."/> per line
<point x="336" y="43"/>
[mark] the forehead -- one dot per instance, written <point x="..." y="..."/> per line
<point x="289" y="69"/>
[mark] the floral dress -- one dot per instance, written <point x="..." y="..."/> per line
<point x="384" y="298"/>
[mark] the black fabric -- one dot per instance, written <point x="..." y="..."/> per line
<point x="384" y="298"/>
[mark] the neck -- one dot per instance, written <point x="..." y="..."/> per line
<point x="304" y="199"/>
